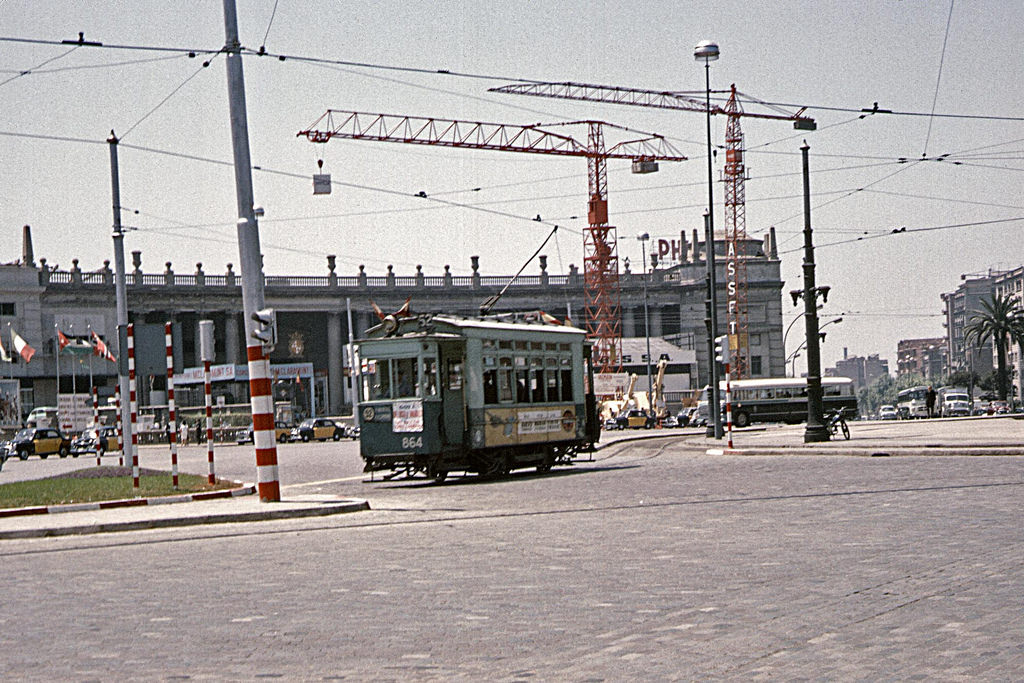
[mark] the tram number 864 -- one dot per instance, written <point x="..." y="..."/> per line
<point x="412" y="442"/>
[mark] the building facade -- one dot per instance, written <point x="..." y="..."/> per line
<point x="958" y="308"/>
<point x="313" y="312"/>
<point x="926" y="357"/>
<point x="863" y="371"/>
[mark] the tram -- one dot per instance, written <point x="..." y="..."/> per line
<point x="442" y="393"/>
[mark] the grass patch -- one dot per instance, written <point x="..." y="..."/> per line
<point x="95" y="484"/>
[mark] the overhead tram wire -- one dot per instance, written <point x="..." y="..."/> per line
<point x="169" y="96"/>
<point x="29" y="72"/>
<point x="938" y="79"/>
<point x="906" y="231"/>
<point x="875" y="110"/>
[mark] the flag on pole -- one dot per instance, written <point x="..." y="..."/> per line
<point x="100" y="349"/>
<point x="4" y="356"/>
<point x="76" y="346"/>
<point x="22" y="347"/>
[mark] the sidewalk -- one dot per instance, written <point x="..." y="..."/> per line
<point x="245" y="508"/>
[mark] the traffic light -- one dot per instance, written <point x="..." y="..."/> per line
<point x="266" y="328"/>
<point x="722" y="349"/>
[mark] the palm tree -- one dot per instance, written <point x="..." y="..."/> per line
<point x="999" y="321"/>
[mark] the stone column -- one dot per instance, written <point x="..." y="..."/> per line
<point x="197" y="353"/>
<point x="335" y="380"/>
<point x="654" y="311"/>
<point x="628" y="321"/>
<point x="232" y="353"/>
<point x="179" y="358"/>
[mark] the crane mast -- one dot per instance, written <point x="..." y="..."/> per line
<point x="734" y="177"/>
<point x="600" y="257"/>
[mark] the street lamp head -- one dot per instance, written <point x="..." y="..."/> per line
<point x="643" y="237"/>
<point x="706" y="51"/>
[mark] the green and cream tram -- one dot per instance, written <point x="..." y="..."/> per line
<point x="442" y="393"/>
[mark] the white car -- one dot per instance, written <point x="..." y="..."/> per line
<point x="887" y="413"/>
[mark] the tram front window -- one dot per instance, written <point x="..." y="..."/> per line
<point x="391" y="378"/>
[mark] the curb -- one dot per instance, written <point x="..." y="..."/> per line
<point x="129" y="502"/>
<point x="321" y="510"/>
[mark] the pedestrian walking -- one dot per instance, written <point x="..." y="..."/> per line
<point x="184" y="432"/>
<point x="929" y="401"/>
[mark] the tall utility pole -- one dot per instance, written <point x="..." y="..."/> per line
<point x="816" y="429"/>
<point x="121" y="295"/>
<point x="251" y="264"/>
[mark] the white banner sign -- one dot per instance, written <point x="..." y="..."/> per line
<point x="408" y="416"/>
<point x="610" y="383"/>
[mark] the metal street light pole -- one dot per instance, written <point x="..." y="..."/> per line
<point x="121" y="296"/>
<point x="647" y="321"/>
<point x="251" y="263"/>
<point x="816" y="429"/>
<point x="707" y="51"/>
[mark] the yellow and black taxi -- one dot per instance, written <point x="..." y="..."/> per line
<point x="86" y="442"/>
<point x="41" y="441"/>
<point x="282" y="433"/>
<point x="319" y="429"/>
<point x="635" y="419"/>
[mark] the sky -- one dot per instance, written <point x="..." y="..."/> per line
<point x="949" y="170"/>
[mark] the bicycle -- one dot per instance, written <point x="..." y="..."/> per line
<point x="836" y="421"/>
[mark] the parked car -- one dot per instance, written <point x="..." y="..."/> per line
<point x="610" y="423"/>
<point x="683" y="418"/>
<point x="41" y="441"/>
<point x="998" y="408"/>
<point x="282" y="433"/>
<point x="888" y="413"/>
<point x="85" y="443"/>
<point x="635" y="419"/>
<point x="670" y="422"/>
<point x="320" y="429"/>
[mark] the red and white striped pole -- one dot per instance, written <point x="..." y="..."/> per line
<point x="96" y="423"/>
<point x="728" y="402"/>
<point x="209" y="420"/>
<point x="120" y="425"/>
<point x="262" y="402"/>
<point x="132" y="408"/>
<point x="172" y="418"/>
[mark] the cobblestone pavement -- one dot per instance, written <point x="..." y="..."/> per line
<point x="654" y="562"/>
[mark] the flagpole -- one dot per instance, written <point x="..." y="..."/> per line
<point x="56" y="355"/>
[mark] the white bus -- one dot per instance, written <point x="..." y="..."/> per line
<point x="912" y="402"/>
<point x="784" y="399"/>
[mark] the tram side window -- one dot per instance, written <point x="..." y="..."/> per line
<point x="491" y="386"/>
<point x="522" y="384"/>
<point x="566" y="385"/>
<point x="552" y="378"/>
<point x="537" y="386"/>
<point x="430" y="376"/>
<point x="505" y="380"/>
<point x="377" y="379"/>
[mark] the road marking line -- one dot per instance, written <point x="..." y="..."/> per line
<point x="326" y="481"/>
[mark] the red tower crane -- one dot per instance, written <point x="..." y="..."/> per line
<point x="734" y="176"/>
<point x="600" y="257"/>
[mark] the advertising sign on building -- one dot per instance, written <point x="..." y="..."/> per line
<point x="610" y="383"/>
<point x="10" y="403"/>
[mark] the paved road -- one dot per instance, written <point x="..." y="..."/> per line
<point x="655" y="561"/>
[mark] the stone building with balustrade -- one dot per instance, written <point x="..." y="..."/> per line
<point x="313" y="329"/>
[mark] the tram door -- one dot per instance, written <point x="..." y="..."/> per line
<point x="453" y="390"/>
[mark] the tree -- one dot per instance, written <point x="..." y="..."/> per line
<point x="999" y="323"/>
